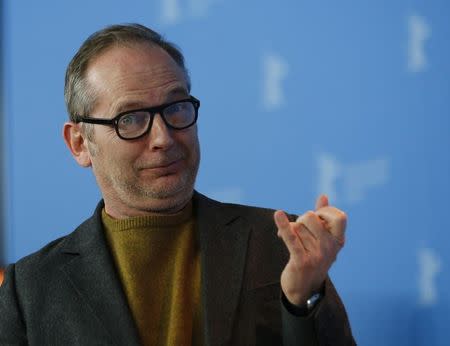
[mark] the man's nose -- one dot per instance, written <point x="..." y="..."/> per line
<point x="160" y="134"/>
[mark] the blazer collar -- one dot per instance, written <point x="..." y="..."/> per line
<point x="93" y="275"/>
<point x="223" y="236"/>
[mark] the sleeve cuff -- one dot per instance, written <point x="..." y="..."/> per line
<point x="299" y="311"/>
<point x="298" y="324"/>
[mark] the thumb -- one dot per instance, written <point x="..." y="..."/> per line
<point x="322" y="201"/>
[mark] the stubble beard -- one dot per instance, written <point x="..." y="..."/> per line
<point x="141" y="194"/>
<point x="151" y="196"/>
<point x="126" y="189"/>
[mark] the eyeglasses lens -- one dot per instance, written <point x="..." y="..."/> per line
<point x="178" y="116"/>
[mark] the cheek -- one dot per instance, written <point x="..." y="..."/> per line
<point x="119" y="157"/>
<point x="92" y="149"/>
<point x="190" y="140"/>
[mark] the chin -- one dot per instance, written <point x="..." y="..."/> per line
<point x="166" y="197"/>
<point x="168" y="205"/>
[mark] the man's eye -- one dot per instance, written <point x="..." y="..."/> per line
<point x="177" y="107"/>
<point x="127" y="120"/>
<point x="137" y="119"/>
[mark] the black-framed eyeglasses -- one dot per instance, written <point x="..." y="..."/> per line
<point x="133" y="124"/>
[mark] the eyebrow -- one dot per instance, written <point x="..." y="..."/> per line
<point x="176" y="91"/>
<point x="137" y="105"/>
<point x="129" y="106"/>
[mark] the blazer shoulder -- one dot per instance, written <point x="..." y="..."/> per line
<point x="241" y="209"/>
<point x="38" y="264"/>
<point x="261" y="215"/>
<point x="41" y="256"/>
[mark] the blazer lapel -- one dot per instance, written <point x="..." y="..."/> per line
<point x="223" y="237"/>
<point x="93" y="275"/>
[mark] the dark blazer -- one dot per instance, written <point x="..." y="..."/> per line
<point x="68" y="293"/>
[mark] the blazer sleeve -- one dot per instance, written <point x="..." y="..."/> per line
<point x="12" y="328"/>
<point x="326" y="325"/>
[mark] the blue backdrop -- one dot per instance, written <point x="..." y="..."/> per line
<point x="350" y="98"/>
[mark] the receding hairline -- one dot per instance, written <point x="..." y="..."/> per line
<point x="95" y="91"/>
<point x="133" y="46"/>
<point x="78" y="92"/>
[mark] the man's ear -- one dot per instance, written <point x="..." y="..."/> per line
<point x="76" y="142"/>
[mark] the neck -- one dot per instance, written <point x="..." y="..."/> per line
<point x="168" y="206"/>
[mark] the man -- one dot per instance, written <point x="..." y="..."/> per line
<point x="159" y="263"/>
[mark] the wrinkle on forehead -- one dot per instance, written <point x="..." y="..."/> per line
<point x="141" y="74"/>
<point x="132" y="101"/>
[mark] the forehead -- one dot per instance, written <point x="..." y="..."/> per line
<point x="137" y="73"/>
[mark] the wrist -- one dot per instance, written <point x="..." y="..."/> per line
<point x="303" y="309"/>
<point x="301" y="299"/>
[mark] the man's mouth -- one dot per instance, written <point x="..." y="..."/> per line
<point x="164" y="168"/>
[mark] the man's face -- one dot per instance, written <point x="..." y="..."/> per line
<point x="155" y="173"/>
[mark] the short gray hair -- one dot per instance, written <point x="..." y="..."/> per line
<point x="79" y="97"/>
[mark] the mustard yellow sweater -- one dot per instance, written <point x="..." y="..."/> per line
<point x="158" y="262"/>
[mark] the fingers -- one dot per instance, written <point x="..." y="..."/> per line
<point x="313" y="224"/>
<point x="288" y="232"/>
<point x="281" y="219"/>
<point x="313" y="230"/>
<point x="296" y="235"/>
<point x="308" y="240"/>
<point x="322" y="242"/>
<point x="336" y="220"/>
<point x="322" y="201"/>
<point x="292" y="235"/>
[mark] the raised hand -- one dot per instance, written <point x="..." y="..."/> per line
<point x="313" y="242"/>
